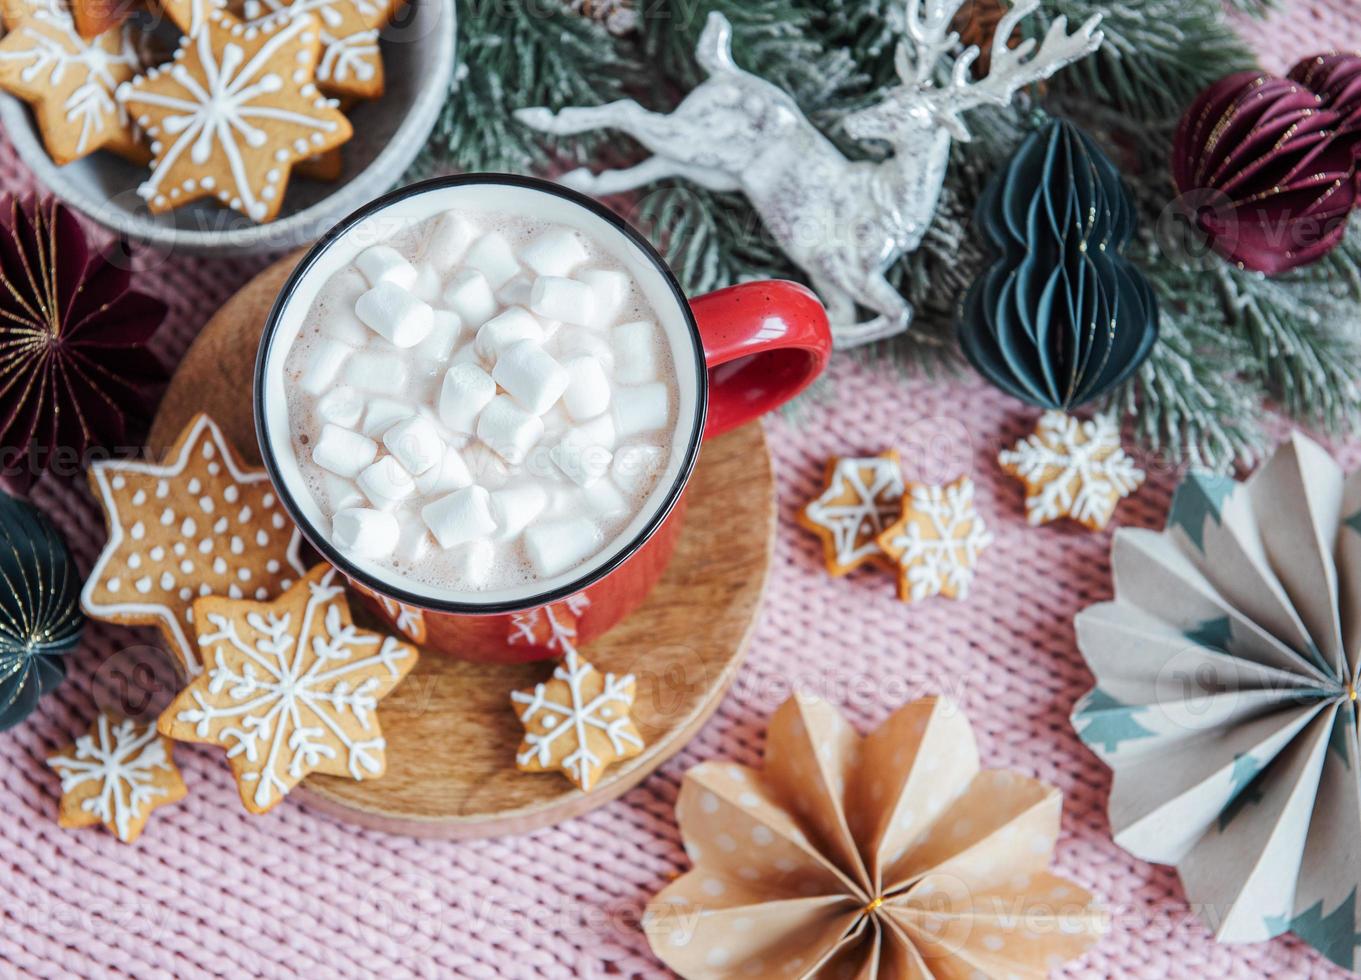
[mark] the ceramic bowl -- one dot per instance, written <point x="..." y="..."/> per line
<point x="418" y="62"/>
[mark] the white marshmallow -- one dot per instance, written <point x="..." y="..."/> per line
<point x="492" y="256"/>
<point x="344" y="326"/>
<point x="641" y="409"/>
<point x="562" y="299"/>
<point x="467" y="354"/>
<point x="341" y="405"/>
<point x="511" y="327"/>
<point x="449" y="240"/>
<point x="581" y="458"/>
<point x="383" y="263"/>
<point x="340" y="493"/>
<point x="395" y="314"/>
<point x="633" y="466"/>
<point x="635" y="352"/>
<point x="415" y="444"/>
<point x="603" y="499"/>
<point x="385" y="483"/>
<point x="365" y="532"/>
<point x="515" y="507"/>
<point x="428" y="285"/>
<point x="413" y="542"/>
<point x="460" y="516"/>
<point x="443" y="336"/>
<point x="556" y="547"/>
<point x="599" y="431"/>
<point x="473" y="563"/>
<point x="555" y="253"/>
<point x="610" y="288"/>
<point x="465" y="393"/>
<point x="382" y="414"/>
<point x="450" y="473"/>
<point x="343" y="452"/>
<point x="487" y="468"/>
<point x="588" y="388"/>
<point x="325" y="363"/>
<point x="371" y="370"/>
<point x="509" y="429"/>
<point x="516" y="292"/>
<point x="531" y="376"/>
<point x="573" y="341"/>
<point x="469" y="295"/>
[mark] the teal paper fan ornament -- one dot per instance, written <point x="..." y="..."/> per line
<point x="40" y="617"/>
<point x="1061" y="317"/>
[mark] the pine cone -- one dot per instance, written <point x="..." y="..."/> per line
<point x="1269" y="170"/>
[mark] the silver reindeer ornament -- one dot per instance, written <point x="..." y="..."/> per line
<point x="843" y="222"/>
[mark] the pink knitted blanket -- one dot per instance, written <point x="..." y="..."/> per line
<point x="209" y="890"/>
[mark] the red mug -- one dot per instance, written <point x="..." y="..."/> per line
<point x="738" y="353"/>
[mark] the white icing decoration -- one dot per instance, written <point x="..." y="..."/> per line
<point x="122" y="758"/>
<point x="220" y="111"/>
<point x="948" y="558"/>
<point x="108" y="477"/>
<point x="284" y="684"/>
<point x="877" y="505"/>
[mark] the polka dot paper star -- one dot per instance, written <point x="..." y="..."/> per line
<point x="937" y="541"/>
<point x="577" y="721"/>
<point x="1072" y="468"/>
<point x="862" y="496"/>
<point x="199" y="524"/>
<point x="116" y="775"/>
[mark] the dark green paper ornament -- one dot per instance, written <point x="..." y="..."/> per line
<point x="40" y="617"/>
<point x="1061" y="317"/>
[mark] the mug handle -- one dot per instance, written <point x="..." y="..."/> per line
<point x="764" y="342"/>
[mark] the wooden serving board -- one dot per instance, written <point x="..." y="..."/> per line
<point x="449" y="726"/>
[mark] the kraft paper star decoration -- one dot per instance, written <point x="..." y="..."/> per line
<point x="116" y="775"/>
<point x="861" y="497"/>
<point x="937" y="541"/>
<point x="290" y="687"/>
<point x="200" y="524"/>
<point x="1072" y="468"/>
<point x="578" y="721"/>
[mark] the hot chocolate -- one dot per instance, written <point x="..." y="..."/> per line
<point x="480" y="402"/>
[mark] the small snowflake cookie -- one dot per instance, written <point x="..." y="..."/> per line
<point x="234" y="111"/>
<point x="116" y="775"/>
<point x="199" y="524"/>
<point x="69" y="81"/>
<point x="936" y="543"/>
<point x="289" y="688"/>
<point x="577" y="722"/>
<point x="1072" y="468"/>
<point x="860" y="498"/>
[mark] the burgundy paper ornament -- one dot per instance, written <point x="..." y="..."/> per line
<point x="1267" y="169"/>
<point x="1336" y="79"/>
<point x="75" y="374"/>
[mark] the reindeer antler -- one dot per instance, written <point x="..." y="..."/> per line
<point x="1012" y="68"/>
<point x="931" y="36"/>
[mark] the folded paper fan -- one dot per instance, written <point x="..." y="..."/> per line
<point x="1225" y="700"/>
<point x="891" y="855"/>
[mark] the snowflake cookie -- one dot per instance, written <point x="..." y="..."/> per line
<point x="116" y="775"/>
<point x="234" y="111"/>
<point x="290" y="687"/>
<point x="69" y="81"/>
<point x="200" y="524"/>
<point x="1072" y="468"/>
<point x="577" y="721"/>
<point x="861" y="497"/>
<point x="937" y="541"/>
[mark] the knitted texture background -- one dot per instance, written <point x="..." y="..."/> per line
<point x="209" y="890"/>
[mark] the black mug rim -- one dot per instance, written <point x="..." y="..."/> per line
<point x="386" y="589"/>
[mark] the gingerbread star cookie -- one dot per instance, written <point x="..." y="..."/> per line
<point x="291" y="687"/>
<point x="577" y="721"/>
<point x="116" y="775"/>
<point x="93" y="17"/>
<point x="200" y="524"/>
<point x="232" y="114"/>
<point x="1072" y="468"/>
<point x="69" y="81"/>
<point x="861" y="497"/>
<point x="937" y="541"/>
